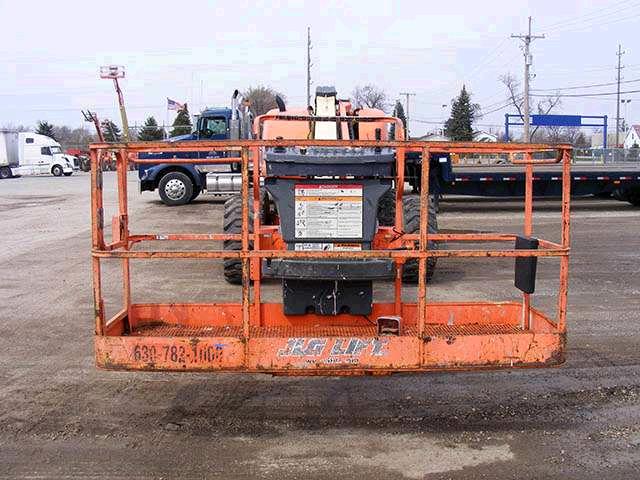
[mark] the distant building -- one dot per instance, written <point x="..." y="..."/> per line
<point x="632" y="140"/>
<point x="439" y="136"/>
<point x="480" y="136"/>
<point x="596" y="140"/>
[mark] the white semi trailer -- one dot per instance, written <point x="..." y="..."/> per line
<point x="27" y="153"/>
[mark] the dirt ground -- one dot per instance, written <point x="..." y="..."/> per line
<point x="60" y="417"/>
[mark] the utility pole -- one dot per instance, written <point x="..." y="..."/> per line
<point x="308" y="66"/>
<point x="407" y="95"/>
<point x="619" y="68"/>
<point x="527" y="63"/>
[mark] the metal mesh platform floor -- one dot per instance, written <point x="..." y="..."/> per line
<point x="433" y="330"/>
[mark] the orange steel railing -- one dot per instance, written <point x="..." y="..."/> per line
<point x="390" y="242"/>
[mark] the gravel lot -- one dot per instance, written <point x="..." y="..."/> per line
<point x="60" y="417"/>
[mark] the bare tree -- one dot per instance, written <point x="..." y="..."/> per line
<point x="370" y="96"/>
<point x="73" y="138"/>
<point x="571" y="135"/>
<point x="516" y="97"/>
<point x="15" y="127"/>
<point x="262" y="99"/>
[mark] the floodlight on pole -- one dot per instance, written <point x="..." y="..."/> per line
<point x="114" y="72"/>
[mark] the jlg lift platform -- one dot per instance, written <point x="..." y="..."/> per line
<point x="254" y="336"/>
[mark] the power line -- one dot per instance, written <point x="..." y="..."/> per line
<point x="508" y="100"/>
<point x="578" y="87"/>
<point x="586" y="95"/>
<point x="486" y="60"/>
<point x="502" y="107"/>
<point x="594" y="15"/>
<point x="599" y="24"/>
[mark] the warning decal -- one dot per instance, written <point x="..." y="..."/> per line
<point x="329" y="247"/>
<point x="328" y="211"/>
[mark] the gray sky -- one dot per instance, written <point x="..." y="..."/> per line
<point x="199" y="52"/>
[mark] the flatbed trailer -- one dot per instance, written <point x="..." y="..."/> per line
<point x="620" y="179"/>
<point x="399" y="336"/>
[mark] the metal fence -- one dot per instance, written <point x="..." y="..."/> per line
<point x="606" y="155"/>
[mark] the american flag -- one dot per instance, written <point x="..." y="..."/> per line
<point x="173" y="105"/>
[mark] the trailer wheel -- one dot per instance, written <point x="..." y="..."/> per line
<point x="5" y="172"/>
<point x="175" y="188"/>
<point x="56" y="170"/>
<point x="633" y="197"/>
<point x="233" y="224"/>
<point x="411" y="213"/>
<point x="620" y="194"/>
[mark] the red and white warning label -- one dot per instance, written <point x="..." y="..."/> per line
<point x="329" y="247"/>
<point x="328" y="211"/>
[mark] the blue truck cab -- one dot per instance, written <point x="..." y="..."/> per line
<point x="179" y="184"/>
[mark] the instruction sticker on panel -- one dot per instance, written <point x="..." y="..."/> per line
<point x="328" y="247"/>
<point x="328" y="211"/>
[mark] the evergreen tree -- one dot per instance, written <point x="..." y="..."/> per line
<point x="459" y="127"/>
<point x="150" y="131"/>
<point x="182" y="123"/>
<point x="45" y="128"/>
<point x="110" y="131"/>
<point x="398" y="111"/>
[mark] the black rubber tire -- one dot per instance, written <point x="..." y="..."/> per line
<point x="181" y="188"/>
<point x="196" y="192"/>
<point x="620" y="194"/>
<point x="232" y="223"/>
<point x="387" y="209"/>
<point x="411" y="215"/>
<point x="5" y="172"/>
<point x="633" y="197"/>
<point x="56" y="171"/>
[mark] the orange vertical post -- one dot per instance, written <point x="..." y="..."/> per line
<point x="123" y="219"/>
<point x="257" y="208"/>
<point x="246" y="282"/>
<point x="399" y="226"/>
<point x="423" y="242"/>
<point x="97" y="237"/>
<point x="566" y="242"/>
<point x="528" y="231"/>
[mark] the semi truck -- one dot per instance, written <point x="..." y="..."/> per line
<point x="27" y="153"/>
<point x="179" y="184"/>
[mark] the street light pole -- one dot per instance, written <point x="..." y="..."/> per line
<point x="115" y="72"/>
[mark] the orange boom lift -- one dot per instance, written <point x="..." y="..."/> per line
<point x="303" y="336"/>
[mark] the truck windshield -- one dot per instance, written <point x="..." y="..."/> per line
<point x="213" y="126"/>
<point x="55" y="150"/>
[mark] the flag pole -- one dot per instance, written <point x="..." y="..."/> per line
<point x="166" y="120"/>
